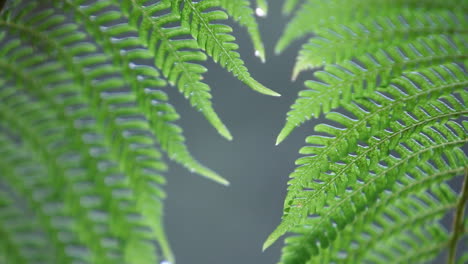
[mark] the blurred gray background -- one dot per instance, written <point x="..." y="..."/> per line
<point x="208" y="223"/>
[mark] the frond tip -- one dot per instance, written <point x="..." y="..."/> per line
<point x="215" y="39"/>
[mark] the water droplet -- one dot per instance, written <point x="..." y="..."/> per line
<point x="165" y="262"/>
<point x="257" y="53"/>
<point x="260" y="12"/>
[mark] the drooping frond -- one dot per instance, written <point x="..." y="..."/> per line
<point x="142" y="79"/>
<point x="79" y="192"/>
<point x="81" y="104"/>
<point x="175" y="53"/>
<point x="126" y="143"/>
<point x="215" y="38"/>
<point x="240" y="11"/>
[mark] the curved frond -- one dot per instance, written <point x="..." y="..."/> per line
<point x="23" y="240"/>
<point x="176" y="53"/>
<point x="240" y="11"/>
<point x="50" y="214"/>
<point x="371" y="187"/>
<point x="142" y="79"/>
<point x="215" y="38"/>
<point x="385" y="134"/>
<point x="51" y="152"/>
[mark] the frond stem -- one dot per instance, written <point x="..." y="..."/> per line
<point x="458" y="225"/>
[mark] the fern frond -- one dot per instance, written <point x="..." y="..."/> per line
<point x="373" y="232"/>
<point x="141" y="78"/>
<point x="240" y="11"/>
<point x="427" y="177"/>
<point x="43" y="143"/>
<point x="121" y="226"/>
<point x="123" y="134"/>
<point x="339" y="84"/>
<point x="395" y="70"/>
<point x="427" y="245"/>
<point x="316" y="17"/>
<point x="16" y="166"/>
<point x="176" y="54"/>
<point x="341" y="43"/>
<point x="337" y="213"/>
<point x="409" y="118"/>
<point x="216" y="40"/>
<point x="96" y="138"/>
<point x="23" y="240"/>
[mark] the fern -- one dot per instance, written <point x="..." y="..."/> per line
<point x="84" y="120"/>
<point x="85" y="125"/>
<point x="371" y="187"/>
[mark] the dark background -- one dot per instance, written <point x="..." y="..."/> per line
<point x="206" y="222"/>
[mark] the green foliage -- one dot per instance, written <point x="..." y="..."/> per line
<point x="84" y="123"/>
<point x="372" y="185"/>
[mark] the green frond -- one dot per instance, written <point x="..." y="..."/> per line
<point x="320" y="220"/>
<point x="142" y="79"/>
<point x="123" y="134"/>
<point x="175" y="53"/>
<point x="340" y="43"/>
<point x="371" y="187"/>
<point x="216" y="40"/>
<point x="81" y="103"/>
<point x="16" y="166"/>
<point x="409" y="191"/>
<point x="409" y="117"/>
<point x="339" y="84"/>
<point x="315" y="17"/>
<point x="374" y="232"/>
<point x="23" y="240"/>
<point x="240" y="11"/>
<point x="43" y="143"/>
